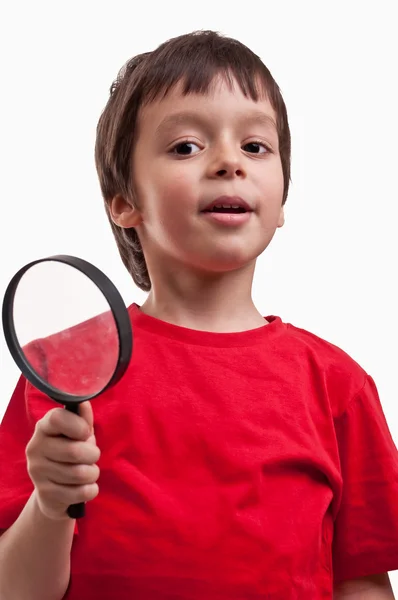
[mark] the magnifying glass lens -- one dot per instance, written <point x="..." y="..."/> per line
<point x="66" y="329"/>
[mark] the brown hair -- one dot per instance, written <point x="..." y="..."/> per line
<point x="193" y="59"/>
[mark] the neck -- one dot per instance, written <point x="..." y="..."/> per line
<point x="215" y="302"/>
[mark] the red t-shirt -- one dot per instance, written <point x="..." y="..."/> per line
<point x="234" y="466"/>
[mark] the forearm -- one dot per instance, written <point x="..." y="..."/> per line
<point x="35" y="556"/>
<point x="373" y="587"/>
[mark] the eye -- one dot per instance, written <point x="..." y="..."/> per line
<point x="256" y="148"/>
<point x="185" y="148"/>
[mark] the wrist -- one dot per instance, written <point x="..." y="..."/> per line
<point x="45" y="514"/>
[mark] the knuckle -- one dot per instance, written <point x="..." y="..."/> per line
<point x="29" y="447"/>
<point x="40" y="425"/>
<point x="31" y="472"/>
<point x="32" y="469"/>
<point x="35" y="440"/>
<point x="54" y="417"/>
<point x="74" y="452"/>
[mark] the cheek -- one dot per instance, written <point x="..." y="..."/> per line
<point x="272" y="183"/>
<point x="172" y="190"/>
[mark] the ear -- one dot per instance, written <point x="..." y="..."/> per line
<point x="281" y="220"/>
<point x="123" y="213"/>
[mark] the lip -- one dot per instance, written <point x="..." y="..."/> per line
<point x="228" y="219"/>
<point x="232" y="200"/>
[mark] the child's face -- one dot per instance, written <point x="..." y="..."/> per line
<point x="192" y="150"/>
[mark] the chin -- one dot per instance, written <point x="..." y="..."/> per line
<point x="236" y="258"/>
<point x="228" y="262"/>
<point x="223" y="258"/>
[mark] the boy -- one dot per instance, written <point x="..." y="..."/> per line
<point x="241" y="457"/>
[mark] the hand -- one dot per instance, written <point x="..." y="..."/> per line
<point x="61" y="459"/>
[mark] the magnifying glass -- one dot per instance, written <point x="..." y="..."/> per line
<point x="68" y="330"/>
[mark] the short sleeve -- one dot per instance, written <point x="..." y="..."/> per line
<point x="366" y="527"/>
<point x="25" y="408"/>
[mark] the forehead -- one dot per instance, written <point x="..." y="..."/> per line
<point x="223" y="100"/>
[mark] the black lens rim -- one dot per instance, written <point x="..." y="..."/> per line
<point x="118" y="309"/>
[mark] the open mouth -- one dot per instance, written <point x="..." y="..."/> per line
<point x="226" y="209"/>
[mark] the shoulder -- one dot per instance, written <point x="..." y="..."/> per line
<point x="337" y="372"/>
<point x="314" y="343"/>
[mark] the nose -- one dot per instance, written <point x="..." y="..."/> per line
<point x="227" y="163"/>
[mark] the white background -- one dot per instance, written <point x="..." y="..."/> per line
<point x="332" y="268"/>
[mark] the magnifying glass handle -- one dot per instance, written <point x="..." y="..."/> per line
<point x="75" y="511"/>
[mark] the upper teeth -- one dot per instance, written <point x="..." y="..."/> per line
<point x="227" y="206"/>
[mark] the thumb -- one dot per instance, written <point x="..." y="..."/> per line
<point x="86" y="412"/>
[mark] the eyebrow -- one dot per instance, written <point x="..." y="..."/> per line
<point x="192" y="118"/>
<point x="261" y="118"/>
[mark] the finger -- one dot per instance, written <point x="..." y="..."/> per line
<point x="64" y="450"/>
<point x="59" y="421"/>
<point x="63" y="474"/>
<point x="66" y="495"/>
